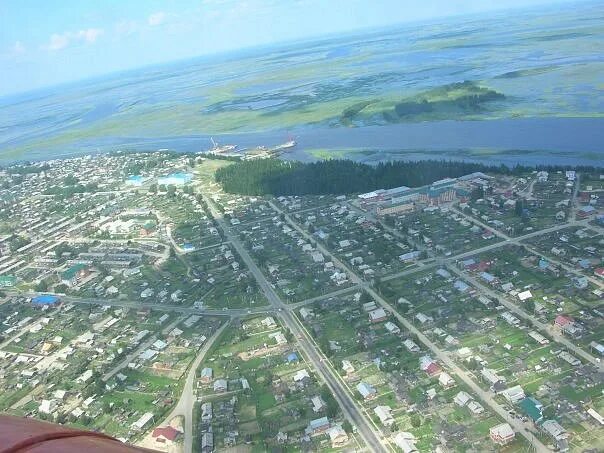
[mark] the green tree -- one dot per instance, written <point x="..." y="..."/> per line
<point x="42" y="286"/>
<point x="416" y="421"/>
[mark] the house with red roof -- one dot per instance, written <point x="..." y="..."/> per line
<point x="429" y="366"/>
<point x="165" y="434"/>
<point x="568" y="325"/>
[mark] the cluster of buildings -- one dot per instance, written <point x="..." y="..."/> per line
<point x="400" y="200"/>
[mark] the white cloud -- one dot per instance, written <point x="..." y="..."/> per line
<point x="156" y="19"/>
<point x="126" y="27"/>
<point x="18" y="48"/>
<point x="90" y="35"/>
<point x="59" y="41"/>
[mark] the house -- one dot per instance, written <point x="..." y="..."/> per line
<point x="301" y="375"/>
<point x="445" y="380"/>
<point x="443" y="273"/>
<point x="47" y="406"/>
<point x="502" y="434"/>
<point x="538" y="337"/>
<point x="306" y="313"/>
<point x="160" y="345"/>
<point x="74" y="274"/>
<point x="220" y="385"/>
<point x="532" y="408"/>
<point x="347" y="366"/>
<point x="597" y="346"/>
<point x="525" y="295"/>
<point x="384" y="413"/>
<point x="568" y="326"/>
<point x="596" y="416"/>
<point x="59" y="394"/>
<point x="318" y="425"/>
<point x="206" y="412"/>
<point x="207" y="442"/>
<point x="507" y="287"/>
<point x="165" y="434"/>
<point x="514" y="394"/>
<point x="337" y="436"/>
<point x="206" y="375"/>
<point x="424" y="319"/>
<point x="142" y="421"/>
<point x="317" y="257"/>
<point x="461" y="286"/>
<point x="475" y="408"/>
<point x="406" y="442"/>
<point x="557" y="432"/>
<point x="377" y="315"/>
<point x="392" y="328"/>
<point x="510" y="319"/>
<point x="410" y="256"/>
<point x="492" y="378"/>
<point x="411" y="345"/>
<point x="279" y="337"/>
<point x="462" y="398"/>
<point x="84" y="377"/>
<point x="569" y="358"/>
<point x="429" y="366"/>
<point x="367" y="391"/>
<point x="317" y="403"/>
<point x="489" y="278"/>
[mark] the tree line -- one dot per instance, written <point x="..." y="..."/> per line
<point x="278" y="177"/>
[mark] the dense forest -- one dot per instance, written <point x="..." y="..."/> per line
<point x="278" y="177"/>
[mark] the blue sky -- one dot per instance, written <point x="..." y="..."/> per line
<point x="46" y="42"/>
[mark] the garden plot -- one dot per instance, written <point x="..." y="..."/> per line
<point x="578" y="247"/>
<point x="104" y="369"/>
<point x="303" y="203"/>
<point x="257" y="389"/>
<point x="358" y="241"/>
<point x="222" y="280"/>
<point x="526" y="205"/>
<point x="394" y="378"/>
<point x="444" y="231"/>
<point x="293" y="265"/>
<point x="542" y="289"/>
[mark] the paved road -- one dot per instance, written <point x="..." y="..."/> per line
<point x="329" y="376"/>
<point x="325" y="296"/>
<point x="184" y="406"/>
<point x="486" y="397"/>
<point x="166" y="308"/>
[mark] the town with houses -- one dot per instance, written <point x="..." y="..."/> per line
<point x="140" y="300"/>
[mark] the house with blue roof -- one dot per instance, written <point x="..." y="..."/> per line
<point x="532" y="408"/>
<point x="45" y="300"/>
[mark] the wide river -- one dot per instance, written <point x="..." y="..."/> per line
<point x="564" y="141"/>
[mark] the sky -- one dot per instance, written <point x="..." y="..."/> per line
<point x="48" y="42"/>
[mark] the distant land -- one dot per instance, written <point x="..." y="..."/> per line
<point x="503" y="88"/>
